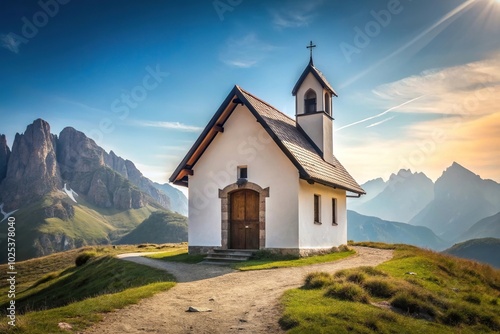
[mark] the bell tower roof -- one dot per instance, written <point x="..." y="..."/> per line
<point x="316" y="73"/>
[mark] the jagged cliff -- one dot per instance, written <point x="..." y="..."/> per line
<point x="67" y="191"/>
<point x="32" y="169"/>
<point x="4" y="157"/>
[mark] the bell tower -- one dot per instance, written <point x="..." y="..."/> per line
<point x="313" y="107"/>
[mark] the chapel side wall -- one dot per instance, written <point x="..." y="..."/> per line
<point x="244" y="142"/>
<point x="324" y="235"/>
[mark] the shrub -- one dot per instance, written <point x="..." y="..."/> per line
<point x="462" y="314"/>
<point x="286" y="322"/>
<point x="372" y="324"/>
<point x="344" y="248"/>
<point x="452" y="318"/>
<point x="347" y="291"/>
<point x="379" y="288"/>
<point x="371" y="271"/>
<point x="473" y="299"/>
<point x="341" y="273"/>
<point x="490" y="321"/>
<point x="146" y="245"/>
<point x="318" y="280"/>
<point x="84" y="257"/>
<point x="410" y="304"/>
<point x="356" y="277"/>
<point x="334" y="249"/>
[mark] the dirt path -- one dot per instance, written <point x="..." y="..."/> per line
<point x="241" y="302"/>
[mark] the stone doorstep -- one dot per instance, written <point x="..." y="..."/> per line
<point x="227" y="256"/>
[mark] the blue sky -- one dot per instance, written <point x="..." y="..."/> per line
<point x="418" y="81"/>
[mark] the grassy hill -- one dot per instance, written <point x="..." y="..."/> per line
<point x="161" y="227"/>
<point x="418" y="291"/>
<point x="89" y="225"/>
<point x="485" y="250"/>
<point x="52" y="289"/>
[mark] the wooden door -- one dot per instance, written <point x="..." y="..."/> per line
<point x="244" y="219"/>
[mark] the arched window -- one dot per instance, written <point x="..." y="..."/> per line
<point x="328" y="104"/>
<point x="310" y="101"/>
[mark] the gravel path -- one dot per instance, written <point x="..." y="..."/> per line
<point x="241" y="302"/>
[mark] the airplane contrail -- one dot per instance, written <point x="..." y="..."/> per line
<point x="378" y="115"/>
<point x="381" y="122"/>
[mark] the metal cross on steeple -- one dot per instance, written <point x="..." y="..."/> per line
<point x="310" y="47"/>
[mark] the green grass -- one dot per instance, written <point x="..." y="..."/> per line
<point x="100" y="276"/>
<point x="32" y="270"/>
<point x="272" y="263"/>
<point x="267" y="260"/>
<point x="177" y="255"/>
<point x="89" y="226"/>
<point x="447" y="295"/>
<point x="51" y="289"/>
<point x="83" y="314"/>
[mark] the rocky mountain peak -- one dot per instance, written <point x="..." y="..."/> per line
<point x="116" y="163"/>
<point x="404" y="195"/>
<point x="78" y="153"/>
<point x="32" y="169"/>
<point x="457" y="182"/>
<point x="4" y="157"/>
<point x="405" y="176"/>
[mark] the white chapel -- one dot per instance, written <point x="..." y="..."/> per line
<point x="259" y="179"/>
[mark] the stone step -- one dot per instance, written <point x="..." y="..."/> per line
<point x="217" y="263"/>
<point x="235" y="254"/>
<point x="222" y="258"/>
<point x="234" y="251"/>
<point x="227" y="256"/>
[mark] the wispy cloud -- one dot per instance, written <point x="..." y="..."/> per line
<point x="245" y="52"/>
<point x="10" y="43"/>
<point x="170" y="125"/>
<point x="469" y="90"/>
<point x="461" y="123"/>
<point x="296" y="16"/>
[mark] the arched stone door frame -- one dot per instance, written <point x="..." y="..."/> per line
<point x="224" y="195"/>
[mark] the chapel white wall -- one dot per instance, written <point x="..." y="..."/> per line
<point x="244" y="142"/>
<point x="314" y="236"/>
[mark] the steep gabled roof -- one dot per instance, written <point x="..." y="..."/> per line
<point x="318" y="75"/>
<point x="294" y="144"/>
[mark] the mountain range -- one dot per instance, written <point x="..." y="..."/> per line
<point x="399" y="199"/>
<point x="450" y="207"/>
<point x="366" y="228"/>
<point x="68" y="192"/>
<point x="488" y="227"/>
<point x="483" y="250"/>
<point x="461" y="199"/>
